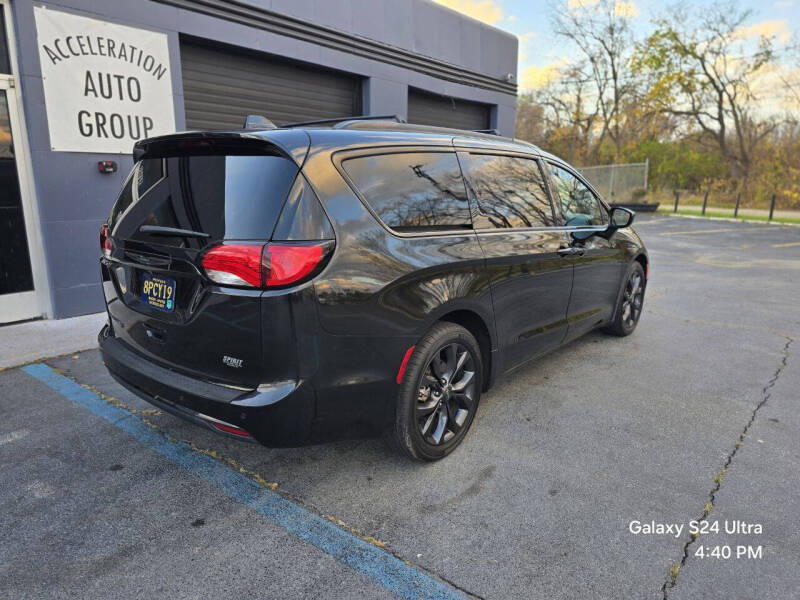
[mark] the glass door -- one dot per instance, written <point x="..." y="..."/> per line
<point x="15" y="263"/>
<point x="18" y="299"/>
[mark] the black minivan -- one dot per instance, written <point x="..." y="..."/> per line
<point x="306" y="283"/>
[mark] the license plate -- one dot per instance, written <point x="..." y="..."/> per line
<point x="159" y="292"/>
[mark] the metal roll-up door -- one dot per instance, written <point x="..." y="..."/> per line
<point x="221" y="86"/>
<point x="432" y="109"/>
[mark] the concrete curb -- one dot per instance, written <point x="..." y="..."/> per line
<point x="22" y="343"/>
<point x="726" y="219"/>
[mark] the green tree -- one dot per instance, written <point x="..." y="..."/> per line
<point x="676" y="165"/>
<point x="704" y="75"/>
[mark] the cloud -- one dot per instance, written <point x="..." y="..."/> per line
<point x="784" y="4"/>
<point x="524" y="40"/>
<point x="535" y="77"/>
<point x="777" y="87"/>
<point x="626" y="10"/>
<point x="487" y="11"/>
<point x="573" y="4"/>
<point x="777" y="28"/>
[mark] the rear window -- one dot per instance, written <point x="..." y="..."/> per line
<point x="510" y="192"/>
<point x="413" y="191"/>
<point x="227" y="197"/>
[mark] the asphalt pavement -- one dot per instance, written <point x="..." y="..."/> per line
<point x="694" y="415"/>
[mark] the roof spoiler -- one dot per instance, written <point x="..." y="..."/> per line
<point x="191" y="143"/>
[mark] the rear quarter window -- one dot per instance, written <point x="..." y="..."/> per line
<point x="413" y="191"/>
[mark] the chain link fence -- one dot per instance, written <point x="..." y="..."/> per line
<point x="627" y="184"/>
<point x="619" y="183"/>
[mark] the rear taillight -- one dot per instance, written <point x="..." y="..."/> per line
<point x="270" y="265"/>
<point x="234" y="264"/>
<point x="290" y="263"/>
<point x="105" y="241"/>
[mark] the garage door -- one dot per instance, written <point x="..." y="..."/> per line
<point x="221" y="86"/>
<point x="432" y="109"/>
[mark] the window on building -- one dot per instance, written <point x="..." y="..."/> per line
<point x="510" y="192"/>
<point x="581" y="208"/>
<point x="5" y="62"/>
<point x="413" y="191"/>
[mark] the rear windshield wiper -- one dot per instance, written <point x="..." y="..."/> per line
<point x="159" y="230"/>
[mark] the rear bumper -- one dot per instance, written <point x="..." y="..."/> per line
<point x="278" y="414"/>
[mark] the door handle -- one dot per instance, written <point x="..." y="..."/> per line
<point x="571" y="251"/>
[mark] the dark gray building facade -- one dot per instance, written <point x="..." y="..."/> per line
<point x="81" y="80"/>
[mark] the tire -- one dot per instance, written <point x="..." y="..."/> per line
<point x="631" y="302"/>
<point x="429" y="423"/>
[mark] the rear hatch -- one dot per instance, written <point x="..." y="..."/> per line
<point x="185" y="197"/>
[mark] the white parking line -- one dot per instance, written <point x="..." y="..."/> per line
<point x="653" y="221"/>
<point x="786" y="245"/>
<point x="704" y="231"/>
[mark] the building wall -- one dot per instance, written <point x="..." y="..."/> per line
<point x="74" y="199"/>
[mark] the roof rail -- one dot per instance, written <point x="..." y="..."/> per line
<point x="386" y="125"/>
<point x="396" y="118"/>
<point x="526" y="143"/>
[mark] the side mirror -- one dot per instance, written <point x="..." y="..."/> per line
<point x="621" y="217"/>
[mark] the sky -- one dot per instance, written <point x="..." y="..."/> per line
<point x="540" y="52"/>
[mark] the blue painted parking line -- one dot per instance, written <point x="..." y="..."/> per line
<point x="369" y="560"/>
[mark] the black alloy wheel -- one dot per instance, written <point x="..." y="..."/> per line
<point x="446" y="396"/>
<point x="632" y="299"/>
<point x="439" y="392"/>
<point x="631" y="302"/>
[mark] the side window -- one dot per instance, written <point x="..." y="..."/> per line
<point x="148" y="173"/>
<point x="124" y="200"/>
<point x="413" y="191"/>
<point x="509" y="191"/>
<point x="580" y="206"/>
<point x="144" y="176"/>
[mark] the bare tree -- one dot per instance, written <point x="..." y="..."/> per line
<point x="530" y="123"/>
<point x="791" y="81"/>
<point x="596" y="90"/>
<point x="569" y="119"/>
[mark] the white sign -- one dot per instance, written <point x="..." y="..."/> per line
<point x="105" y="85"/>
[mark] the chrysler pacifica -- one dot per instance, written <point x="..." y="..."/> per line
<point x="304" y="283"/>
